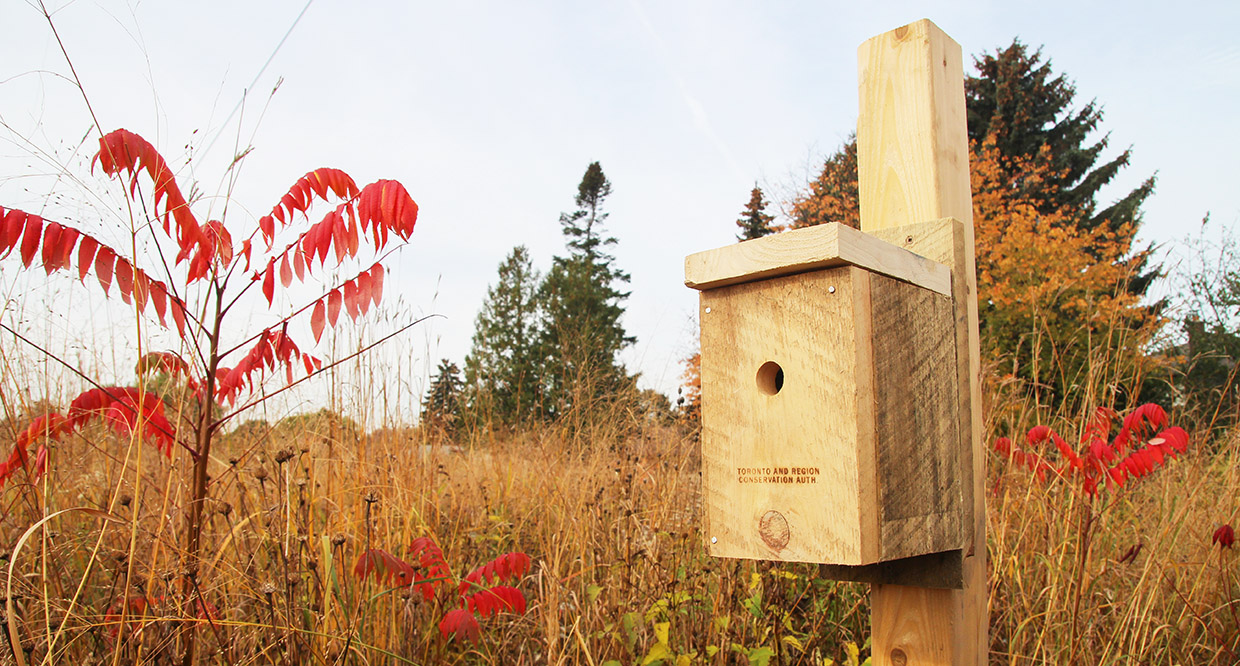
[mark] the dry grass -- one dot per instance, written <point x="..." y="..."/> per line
<point x="609" y="514"/>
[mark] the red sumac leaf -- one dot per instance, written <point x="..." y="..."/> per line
<point x="104" y="260"/>
<point x="124" y="278"/>
<point x="299" y="263"/>
<point x="269" y="282"/>
<point x="333" y="306"/>
<point x="12" y="224"/>
<point x="318" y="320"/>
<point x="460" y="622"/>
<point x="30" y="241"/>
<point x="376" y="276"/>
<point x="86" y="256"/>
<point x="363" y="291"/>
<point x="286" y="271"/>
<point x="350" y="300"/>
<point x="51" y="246"/>
<point x="68" y="241"/>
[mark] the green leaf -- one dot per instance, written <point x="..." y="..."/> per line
<point x="760" y="656"/>
<point x="592" y="591"/>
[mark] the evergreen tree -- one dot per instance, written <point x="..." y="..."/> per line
<point x="754" y="221"/>
<point x="441" y="408"/>
<point x="1017" y="99"/>
<point x="582" y="307"/>
<point x="1030" y="152"/>
<point x="502" y="368"/>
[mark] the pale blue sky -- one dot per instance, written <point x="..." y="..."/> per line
<point x="489" y="113"/>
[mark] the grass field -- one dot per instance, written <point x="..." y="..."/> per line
<point x="619" y="571"/>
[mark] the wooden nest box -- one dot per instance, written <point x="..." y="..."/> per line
<point x="830" y="413"/>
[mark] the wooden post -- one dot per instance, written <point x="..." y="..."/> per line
<point x="913" y="167"/>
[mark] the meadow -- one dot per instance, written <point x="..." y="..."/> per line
<point x="608" y="515"/>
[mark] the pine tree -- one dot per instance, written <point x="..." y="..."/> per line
<point x="582" y="307"/>
<point x="502" y="370"/>
<point x="754" y="221"/>
<point x="1036" y="157"/>
<point x="441" y="408"/>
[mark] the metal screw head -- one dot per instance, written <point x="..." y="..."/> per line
<point x="708" y="309"/>
<point x="831" y="289"/>
<point x="714" y="539"/>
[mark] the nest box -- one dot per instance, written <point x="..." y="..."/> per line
<point x="830" y="429"/>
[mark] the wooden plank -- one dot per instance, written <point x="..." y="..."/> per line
<point x="916" y="421"/>
<point x="780" y="472"/>
<point x="808" y="249"/>
<point x="912" y="150"/>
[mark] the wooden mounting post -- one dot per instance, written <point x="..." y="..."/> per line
<point x="913" y="167"/>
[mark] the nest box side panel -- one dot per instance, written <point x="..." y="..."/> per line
<point x="782" y="451"/>
<point x="916" y="419"/>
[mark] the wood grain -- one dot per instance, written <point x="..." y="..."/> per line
<point x="913" y="167"/>
<point x="806" y="324"/>
<point x="812" y="248"/>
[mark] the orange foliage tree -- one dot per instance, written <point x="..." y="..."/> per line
<point x="1051" y="294"/>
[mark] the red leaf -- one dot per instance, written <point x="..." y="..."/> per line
<point x="299" y="263"/>
<point x="122" y="150"/>
<point x="318" y="320"/>
<point x="51" y="246"/>
<point x="86" y="256"/>
<point x="333" y="306"/>
<point x="1224" y="537"/>
<point x="68" y="241"/>
<point x="12" y="224"/>
<point x="350" y="300"/>
<point x="363" y="291"/>
<point x="376" y="276"/>
<point x="460" y="622"/>
<point x="30" y="241"/>
<point x="286" y="271"/>
<point x="124" y="278"/>
<point x="384" y="566"/>
<point x="431" y="558"/>
<point x="269" y="282"/>
<point x="104" y="260"/>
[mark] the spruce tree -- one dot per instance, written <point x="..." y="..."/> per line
<point x="754" y="221"/>
<point x="502" y="370"/>
<point x="1036" y="152"/>
<point x="441" y="408"/>
<point x="582" y="306"/>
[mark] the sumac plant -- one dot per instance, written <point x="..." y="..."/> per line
<point x="480" y="594"/>
<point x="192" y="284"/>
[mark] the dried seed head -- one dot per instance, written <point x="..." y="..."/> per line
<point x="371" y="497"/>
<point x="224" y="508"/>
<point x="284" y="455"/>
<point x="305" y="449"/>
<point x="339" y="539"/>
<point x="232" y="462"/>
<point x="125" y="499"/>
<point x="268" y="589"/>
<point x="260" y="474"/>
<point x="312" y="564"/>
<point x="293" y="579"/>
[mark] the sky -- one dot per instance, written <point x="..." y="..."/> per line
<point x="489" y="113"/>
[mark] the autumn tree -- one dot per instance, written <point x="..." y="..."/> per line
<point x="832" y="196"/>
<point x="503" y="371"/>
<point x="1037" y="177"/>
<point x="754" y="221"/>
<point x="582" y="306"/>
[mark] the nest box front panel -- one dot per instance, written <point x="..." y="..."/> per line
<point x="787" y="443"/>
